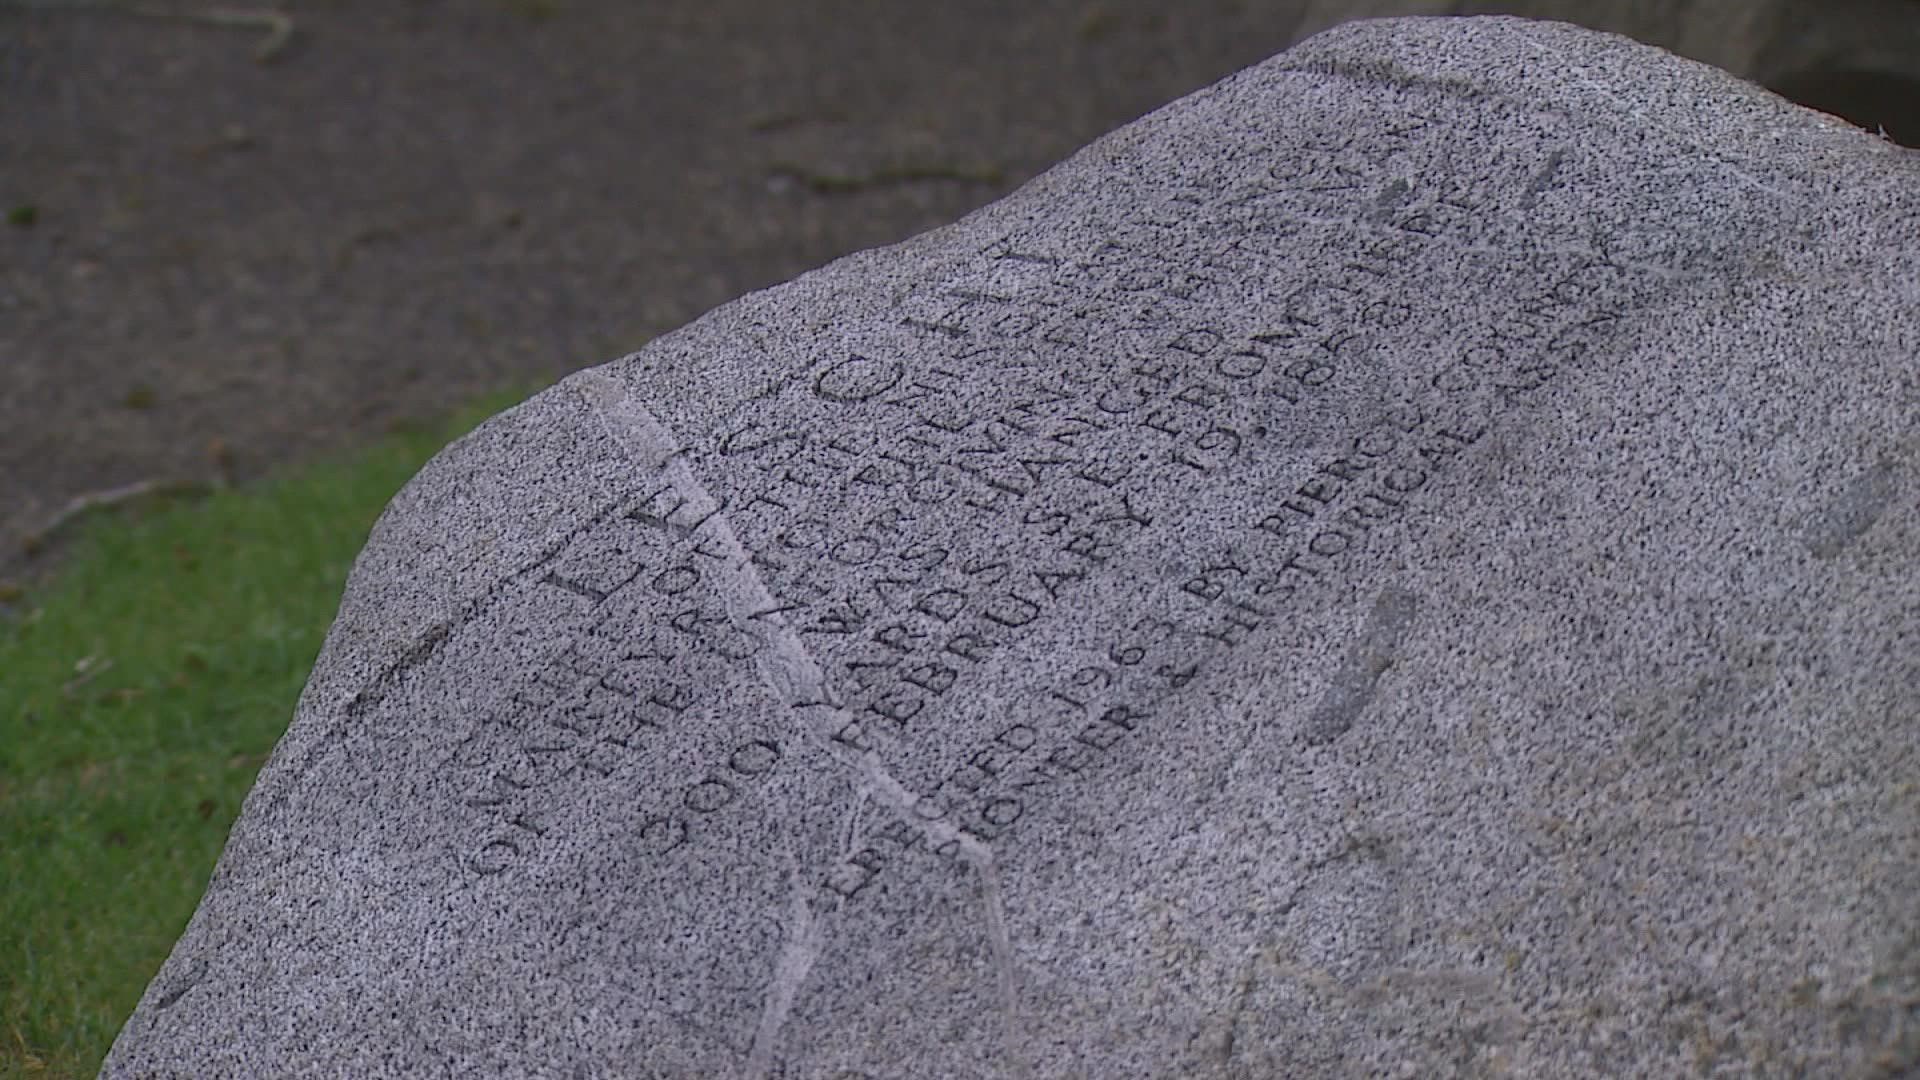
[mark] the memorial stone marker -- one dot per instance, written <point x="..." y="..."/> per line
<point x="1400" y="563"/>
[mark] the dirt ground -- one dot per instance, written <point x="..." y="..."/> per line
<point x="224" y="247"/>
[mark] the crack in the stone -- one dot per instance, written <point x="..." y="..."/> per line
<point x="195" y="974"/>
<point x="1568" y="64"/>
<point x="1374" y="71"/>
<point x="797" y="679"/>
<point x="1847" y="517"/>
<point x="1353" y="686"/>
<point x="798" y="952"/>
<point x="376" y="690"/>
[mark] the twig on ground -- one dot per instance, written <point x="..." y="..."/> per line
<point x="277" y="25"/>
<point x="99" y="500"/>
<point x="87" y="669"/>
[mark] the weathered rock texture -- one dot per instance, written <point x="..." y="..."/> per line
<point x="1401" y="563"/>
<point x="1761" y="40"/>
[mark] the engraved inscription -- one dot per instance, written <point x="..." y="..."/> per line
<point x="1075" y="469"/>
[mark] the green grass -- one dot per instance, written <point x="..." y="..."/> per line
<point x="140" y="690"/>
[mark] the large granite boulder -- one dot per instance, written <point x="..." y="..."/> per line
<point x="1401" y="563"/>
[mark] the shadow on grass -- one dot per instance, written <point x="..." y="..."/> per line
<point x="141" y="689"/>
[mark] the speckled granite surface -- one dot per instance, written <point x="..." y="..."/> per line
<point x="1401" y="562"/>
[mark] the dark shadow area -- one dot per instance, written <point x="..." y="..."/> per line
<point x="1875" y="100"/>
